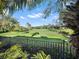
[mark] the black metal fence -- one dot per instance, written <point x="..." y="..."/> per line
<point x="58" y="49"/>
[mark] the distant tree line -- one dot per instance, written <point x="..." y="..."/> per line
<point x="49" y="26"/>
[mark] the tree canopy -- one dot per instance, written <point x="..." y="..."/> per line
<point x="13" y="5"/>
<point x="8" y="24"/>
<point x="70" y="16"/>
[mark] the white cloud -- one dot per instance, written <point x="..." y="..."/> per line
<point x="38" y="15"/>
<point x="55" y="17"/>
<point x="22" y="17"/>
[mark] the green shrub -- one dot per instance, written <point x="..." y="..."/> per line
<point x="64" y="33"/>
<point x="36" y="33"/>
<point x="16" y="52"/>
<point x="13" y="53"/>
<point x="41" y="55"/>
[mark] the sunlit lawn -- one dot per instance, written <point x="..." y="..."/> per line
<point x="42" y="32"/>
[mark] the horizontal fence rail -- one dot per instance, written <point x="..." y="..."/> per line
<point x="58" y="49"/>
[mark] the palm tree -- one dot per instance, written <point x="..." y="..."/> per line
<point x="13" y="5"/>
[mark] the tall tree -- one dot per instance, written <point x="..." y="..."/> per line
<point x="12" y="5"/>
<point x="70" y="17"/>
<point x="29" y="26"/>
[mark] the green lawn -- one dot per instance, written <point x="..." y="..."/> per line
<point x="42" y="32"/>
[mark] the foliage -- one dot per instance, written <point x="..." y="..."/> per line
<point x="23" y="29"/>
<point x="70" y="16"/>
<point x="16" y="52"/>
<point x="67" y="30"/>
<point x="41" y="55"/>
<point x="64" y="33"/>
<point x="49" y="27"/>
<point x="29" y="26"/>
<point x="13" y="53"/>
<point x="8" y="24"/>
<point x="36" y="33"/>
<point x="13" y="5"/>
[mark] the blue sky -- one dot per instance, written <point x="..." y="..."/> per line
<point x="34" y="17"/>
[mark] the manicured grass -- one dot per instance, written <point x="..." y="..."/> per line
<point x="42" y="32"/>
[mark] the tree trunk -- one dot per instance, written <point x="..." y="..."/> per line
<point x="75" y="43"/>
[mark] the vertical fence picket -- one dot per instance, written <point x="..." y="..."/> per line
<point x="62" y="51"/>
<point x="53" y="50"/>
<point x="58" y="49"/>
<point x="67" y="50"/>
